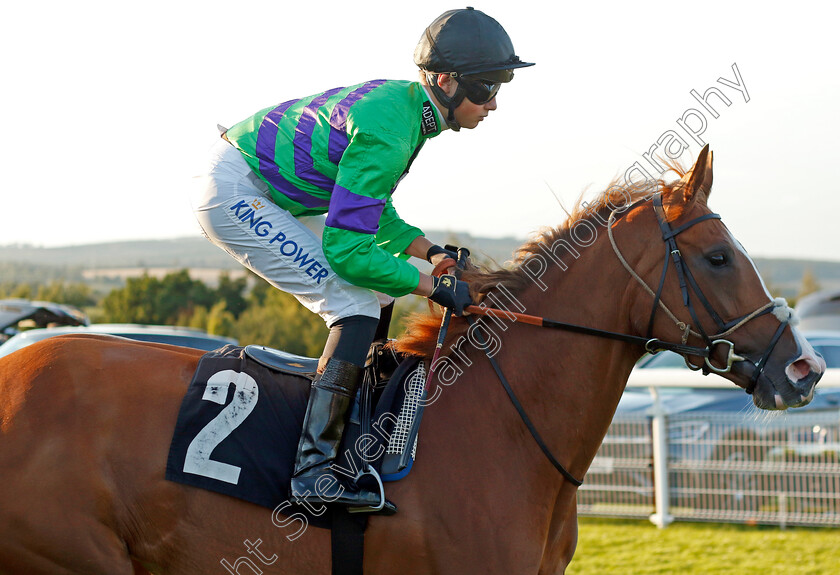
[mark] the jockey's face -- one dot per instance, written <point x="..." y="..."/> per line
<point x="467" y="114"/>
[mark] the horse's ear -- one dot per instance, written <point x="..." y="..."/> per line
<point x="695" y="185"/>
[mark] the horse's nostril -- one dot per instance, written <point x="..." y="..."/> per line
<point x="799" y="369"/>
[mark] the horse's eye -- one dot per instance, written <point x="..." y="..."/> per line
<point x="718" y="259"/>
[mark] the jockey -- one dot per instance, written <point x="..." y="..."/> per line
<point x="342" y="152"/>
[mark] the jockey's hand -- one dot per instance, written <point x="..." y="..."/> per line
<point x="451" y="293"/>
<point x="437" y="254"/>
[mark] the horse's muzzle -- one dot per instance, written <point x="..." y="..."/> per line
<point x="794" y="387"/>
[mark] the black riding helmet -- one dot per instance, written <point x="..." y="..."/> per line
<point x="472" y="48"/>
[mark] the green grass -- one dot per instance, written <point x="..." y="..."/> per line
<point x="628" y="547"/>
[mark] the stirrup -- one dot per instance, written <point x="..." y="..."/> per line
<point x="369" y="509"/>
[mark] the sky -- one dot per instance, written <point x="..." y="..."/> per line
<point x="108" y="109"/>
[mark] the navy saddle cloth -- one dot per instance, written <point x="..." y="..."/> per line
<point x="240" y="422"/>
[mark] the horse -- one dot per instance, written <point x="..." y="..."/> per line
<point x="86" y="421"/>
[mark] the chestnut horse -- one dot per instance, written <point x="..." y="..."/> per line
<point x="86" y="422"/>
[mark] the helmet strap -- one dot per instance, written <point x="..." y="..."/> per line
<point x="449" y="102"/>
<point x="450" y="118"/>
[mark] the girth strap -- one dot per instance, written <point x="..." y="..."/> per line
<point x="348" y="542"/>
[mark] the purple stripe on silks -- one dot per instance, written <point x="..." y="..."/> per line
<point x="303" y="143"/>
<point x="337" y="144"/>
<point x="349" y="211"/>
<point x="265" y="150"/>
<point x="338" y="120"/>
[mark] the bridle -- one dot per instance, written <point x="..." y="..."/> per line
<point x="688" y="284"/>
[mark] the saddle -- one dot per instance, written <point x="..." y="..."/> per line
<point x="241" y="418"/>
<point x="393" y="403"/>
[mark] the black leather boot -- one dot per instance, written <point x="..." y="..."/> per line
<point x="326" y="414"/>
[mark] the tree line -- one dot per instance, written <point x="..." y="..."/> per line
<point x="246" y="308"/>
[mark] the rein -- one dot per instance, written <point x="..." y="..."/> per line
<point x="652" y="345"/>
<point x="521" y="410"/>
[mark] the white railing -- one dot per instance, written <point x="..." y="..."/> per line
<point x="749" y="466"/>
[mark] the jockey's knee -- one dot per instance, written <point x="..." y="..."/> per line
<point x="349" y="340"/>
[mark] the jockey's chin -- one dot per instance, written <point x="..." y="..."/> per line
<point x="469" y="115"/>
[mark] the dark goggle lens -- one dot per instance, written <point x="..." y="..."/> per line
<point x="494" y="77"/>
<point x="479" y="91"/>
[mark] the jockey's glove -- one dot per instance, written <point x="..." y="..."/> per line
<point x="439" y="251"/>
<point x="451" y="293"/>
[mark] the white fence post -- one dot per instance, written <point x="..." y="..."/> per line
<point x="783" y="505"/>
<point x="659" y="435"/>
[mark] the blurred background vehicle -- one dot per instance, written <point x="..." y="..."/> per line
<point x="819" y="310"/>
<point x="172" y="335"/>
<point x="19" y="314"/>
<point x="691" y="393"/>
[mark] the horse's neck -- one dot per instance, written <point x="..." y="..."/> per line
<point x="569" y="384"/>
<point x="576" y="379"/>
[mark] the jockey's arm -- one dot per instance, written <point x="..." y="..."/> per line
<point x="418" y="248"/>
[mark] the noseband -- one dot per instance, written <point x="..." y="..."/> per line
<point x="688" y="285"/>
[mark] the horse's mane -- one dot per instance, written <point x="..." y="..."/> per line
<point x="422" y="328"/>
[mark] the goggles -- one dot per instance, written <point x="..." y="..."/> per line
<point x="480" y="89"/>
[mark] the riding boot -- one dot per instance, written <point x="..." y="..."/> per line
<point x="326" y="415"/>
